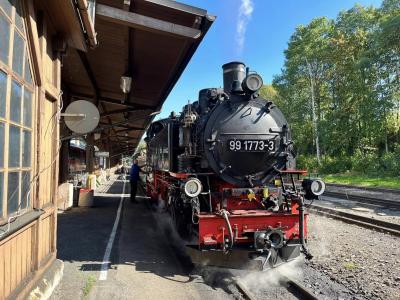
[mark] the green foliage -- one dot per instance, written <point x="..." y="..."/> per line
<point x="363" y="163"/>
<point x="363" y="180"/>
<point x="329" y="164"/>
<point x="353" y="63"/>
<point x="269" y="93"/>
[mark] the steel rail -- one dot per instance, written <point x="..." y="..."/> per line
<point x="362" y="221"/>
<point x="363" y="199"/>
<point x="245" y="292"/>
<point x="292" y="285"/>
<point x="301" y="290"/>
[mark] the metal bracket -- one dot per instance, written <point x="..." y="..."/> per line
<point x="65" y="115"/>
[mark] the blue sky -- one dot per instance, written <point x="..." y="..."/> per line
<point x="268" y="26"/>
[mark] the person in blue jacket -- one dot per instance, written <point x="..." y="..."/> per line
<point x="134" y="178"/>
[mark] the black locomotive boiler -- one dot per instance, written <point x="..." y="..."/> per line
<point x="220" y="168"/>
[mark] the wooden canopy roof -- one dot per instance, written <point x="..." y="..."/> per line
<point x="151" y="41"/>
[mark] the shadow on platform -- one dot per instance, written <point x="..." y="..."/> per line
<point x="83" y="234"/>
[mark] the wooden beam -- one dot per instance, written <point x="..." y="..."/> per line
<point x="127" y="104"/>
<point x="116" y="101"/>
<point x="108" y="127"/>
<point x="119" y="111"/>
<point x="92" y="78"/>
<point x="122" y="138"/>
<point x="127" y="138"/>
<point x="33" y="40"/>
<point x="122" y="126"/>
<point x="109" y="121"/>
<point x="123" y="152"/>
<point x="128" y="129"/>
<point x="180" y="6"/>
<point x="134" y="20"/>
<point x="118" y="126"/>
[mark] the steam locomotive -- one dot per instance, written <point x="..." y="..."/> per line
<point x="224" y="169"/>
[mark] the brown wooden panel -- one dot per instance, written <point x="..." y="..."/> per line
<point x="50" y="62"/>
<point x="15" y="261"/>
<point x="45" y="237"/>
<point x="47" y="134"/>
<point x="13" y="270"/>
<point x="2" y="272"/>
<point x="7" y="269"/>
<point x="41" y="241"/>
<point x="30" y="249"/>
<point x="23" y="254"/>
<point x="18" y="254"/>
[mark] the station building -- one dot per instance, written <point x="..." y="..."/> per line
<point x="53" y="53"/>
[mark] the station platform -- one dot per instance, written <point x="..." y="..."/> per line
<point x="144" y="261"/>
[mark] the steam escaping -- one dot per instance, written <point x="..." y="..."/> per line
<point x="256" y="281"/>
<point x="245" y="11"/>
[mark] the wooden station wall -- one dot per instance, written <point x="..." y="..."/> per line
<point x="25" y="254"/>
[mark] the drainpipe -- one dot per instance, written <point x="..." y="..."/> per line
<point x="88" y="26"/>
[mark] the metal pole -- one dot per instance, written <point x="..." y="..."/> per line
<point x="301" y="228"/>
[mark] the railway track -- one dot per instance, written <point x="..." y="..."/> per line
<point x="372" y="189"/>
<point x="362" y="199"/>
<point x="363" y="221"/>
<point x="298" y="289"/>
<point x="243" y="289"/>
<point x="293" y="286"/>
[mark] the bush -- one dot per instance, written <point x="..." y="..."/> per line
<point x="334" y="165"/>
<point x="371" y="164"/>
<point x="309" y="163"/>
<point x="365" y="163"/>
<point x="390" y="164"/>
<point x="329" y="165"/>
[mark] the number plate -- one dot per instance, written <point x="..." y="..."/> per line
<point x="251" y="145"/>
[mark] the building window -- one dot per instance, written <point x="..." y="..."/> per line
<point x="16" y="112"/>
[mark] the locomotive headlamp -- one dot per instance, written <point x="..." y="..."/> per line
<point x="193" y="187"/>
<point x="252" y="83"/>
<point x="313" y="188"/>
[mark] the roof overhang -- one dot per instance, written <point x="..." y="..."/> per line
<point x="72" y="20"/>
<point x="151" y="41"/>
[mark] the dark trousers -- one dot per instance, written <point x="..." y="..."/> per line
<point x="133" y="190"/>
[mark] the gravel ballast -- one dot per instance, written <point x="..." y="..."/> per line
<point x="350" y="262"/>
<point x="365" y="262"/>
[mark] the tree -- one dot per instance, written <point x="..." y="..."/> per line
<point x="340" y="83"/>
<point x="305" y="68"/>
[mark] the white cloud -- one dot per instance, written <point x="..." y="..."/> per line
<point x="245" y="11"/>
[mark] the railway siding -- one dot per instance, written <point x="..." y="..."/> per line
<point x="377" y="193"/>
<point x="368" y="189"/>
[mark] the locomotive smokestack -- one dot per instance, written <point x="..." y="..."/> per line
<point x="234" y="74"/>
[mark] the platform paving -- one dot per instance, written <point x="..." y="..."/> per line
<point x="144" y="264"/>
